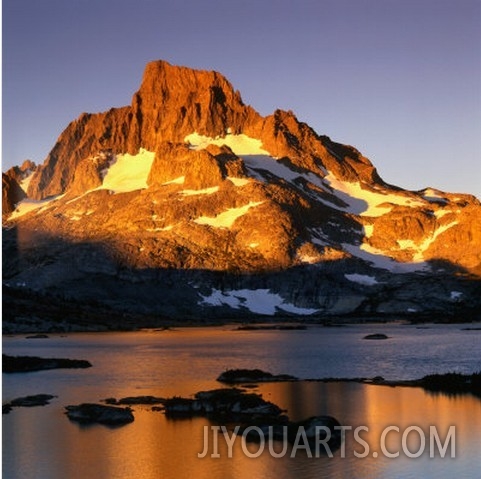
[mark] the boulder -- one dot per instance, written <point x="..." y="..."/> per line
<point x="376" y="336"/>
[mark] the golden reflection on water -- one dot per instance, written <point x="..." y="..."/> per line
<point x="378" y="407"/>
<point x="156" y="447"/>
<point x="41" y="443"/>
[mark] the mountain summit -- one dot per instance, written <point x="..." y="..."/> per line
<point x="188" y="203"/>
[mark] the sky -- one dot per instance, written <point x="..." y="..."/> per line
<point x="398" y="79"/>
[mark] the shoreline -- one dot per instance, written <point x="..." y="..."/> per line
<point x="39" y="327"/>
<point x="34" y="313"/>
<point x="443" y="383"/>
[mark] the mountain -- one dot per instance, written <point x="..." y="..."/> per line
<point x="190" y="204"/>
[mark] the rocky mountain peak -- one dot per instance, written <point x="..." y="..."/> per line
<point x="173" y="102"/>
<point x="189" y="199"/>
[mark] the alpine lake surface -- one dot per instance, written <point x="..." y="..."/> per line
<point x="42" y="443"/>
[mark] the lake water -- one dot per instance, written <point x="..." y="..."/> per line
<point x="41" y="443"/>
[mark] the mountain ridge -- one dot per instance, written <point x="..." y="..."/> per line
<point x="189" y="178"/>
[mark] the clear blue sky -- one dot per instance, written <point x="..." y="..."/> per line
<point x="398" y="79"/>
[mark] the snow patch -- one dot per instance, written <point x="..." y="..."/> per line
<point x="368" y="230"/>
<point x="359" y="201"/>
<point x="177" y="181"/>
<point x="239" y="144"/>
<point x="305" y="258"/>
<point x="205" y="191"/>
<point x="432" y="192"/>
<point x="271" y="165"/>
<point x="319" y="242"/>
<point x="259" y="301"/>
<point x="238" y="181"/>
<point x="227" y="218"/>
<point x="406" y="244"/>
<point x="440" y="213"/>
<point x="255" y="157"/>
<point x="24" y="184"/>
<point x="129" y="172"/>
<point x="318" y="237"/>
<point x="379" y="260"/>
<point x="165" y="228"/>
<point x="26" y="206"/>
<point x="420" y="248"/>
<point x="429" y="241"/>
<point x="367" y="202"/>
<point x="363" y="279"/>
<point x="434" y="196"/>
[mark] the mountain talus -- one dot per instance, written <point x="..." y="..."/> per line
<point x="190" y="203"/>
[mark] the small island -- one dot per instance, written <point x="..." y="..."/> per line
<point x="25" y="364"/>
<point x="235" y="406"/>
<point x="134" y="401"/>
<point x="89" y="413"/>
<point x="28" y="401"/>
<point x="376" y="336"/>
<point x="236" y="376"/>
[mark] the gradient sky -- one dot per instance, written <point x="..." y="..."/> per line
<point x="398" y="79"/>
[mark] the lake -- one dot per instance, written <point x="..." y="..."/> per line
<point x="41" y="443"/>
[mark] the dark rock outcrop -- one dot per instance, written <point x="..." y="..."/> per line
<point x="135" y="400"/>
<point x="228" y="404"/>
<point x="311" y="432"/>
<point x="236" y="376"/>
<point x="255" y="417"/>
<point x="452" y="383"/>
<point x="11" y="194"/>
<point x="88" y="413"/>
<point x="375" y="336"/>
<point x="28" y="401"/>
<point x="25" y="364"/>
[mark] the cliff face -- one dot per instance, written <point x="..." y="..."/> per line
<point x="84" y="137"/>
<point x="173" y="102"/>
<point x="14" y="185"/>
<point x="11" y="194"/>
<point x="188" y="200"/>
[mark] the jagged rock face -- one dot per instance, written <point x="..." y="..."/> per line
<point x="171" y="103"/>
<point x="83" y="138"/>
<point x="174" y="102"/>
<point x="188" y="183"/>
<point x="11" y="194"/>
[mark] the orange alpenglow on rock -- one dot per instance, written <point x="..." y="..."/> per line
<point x="189" y="201"/>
